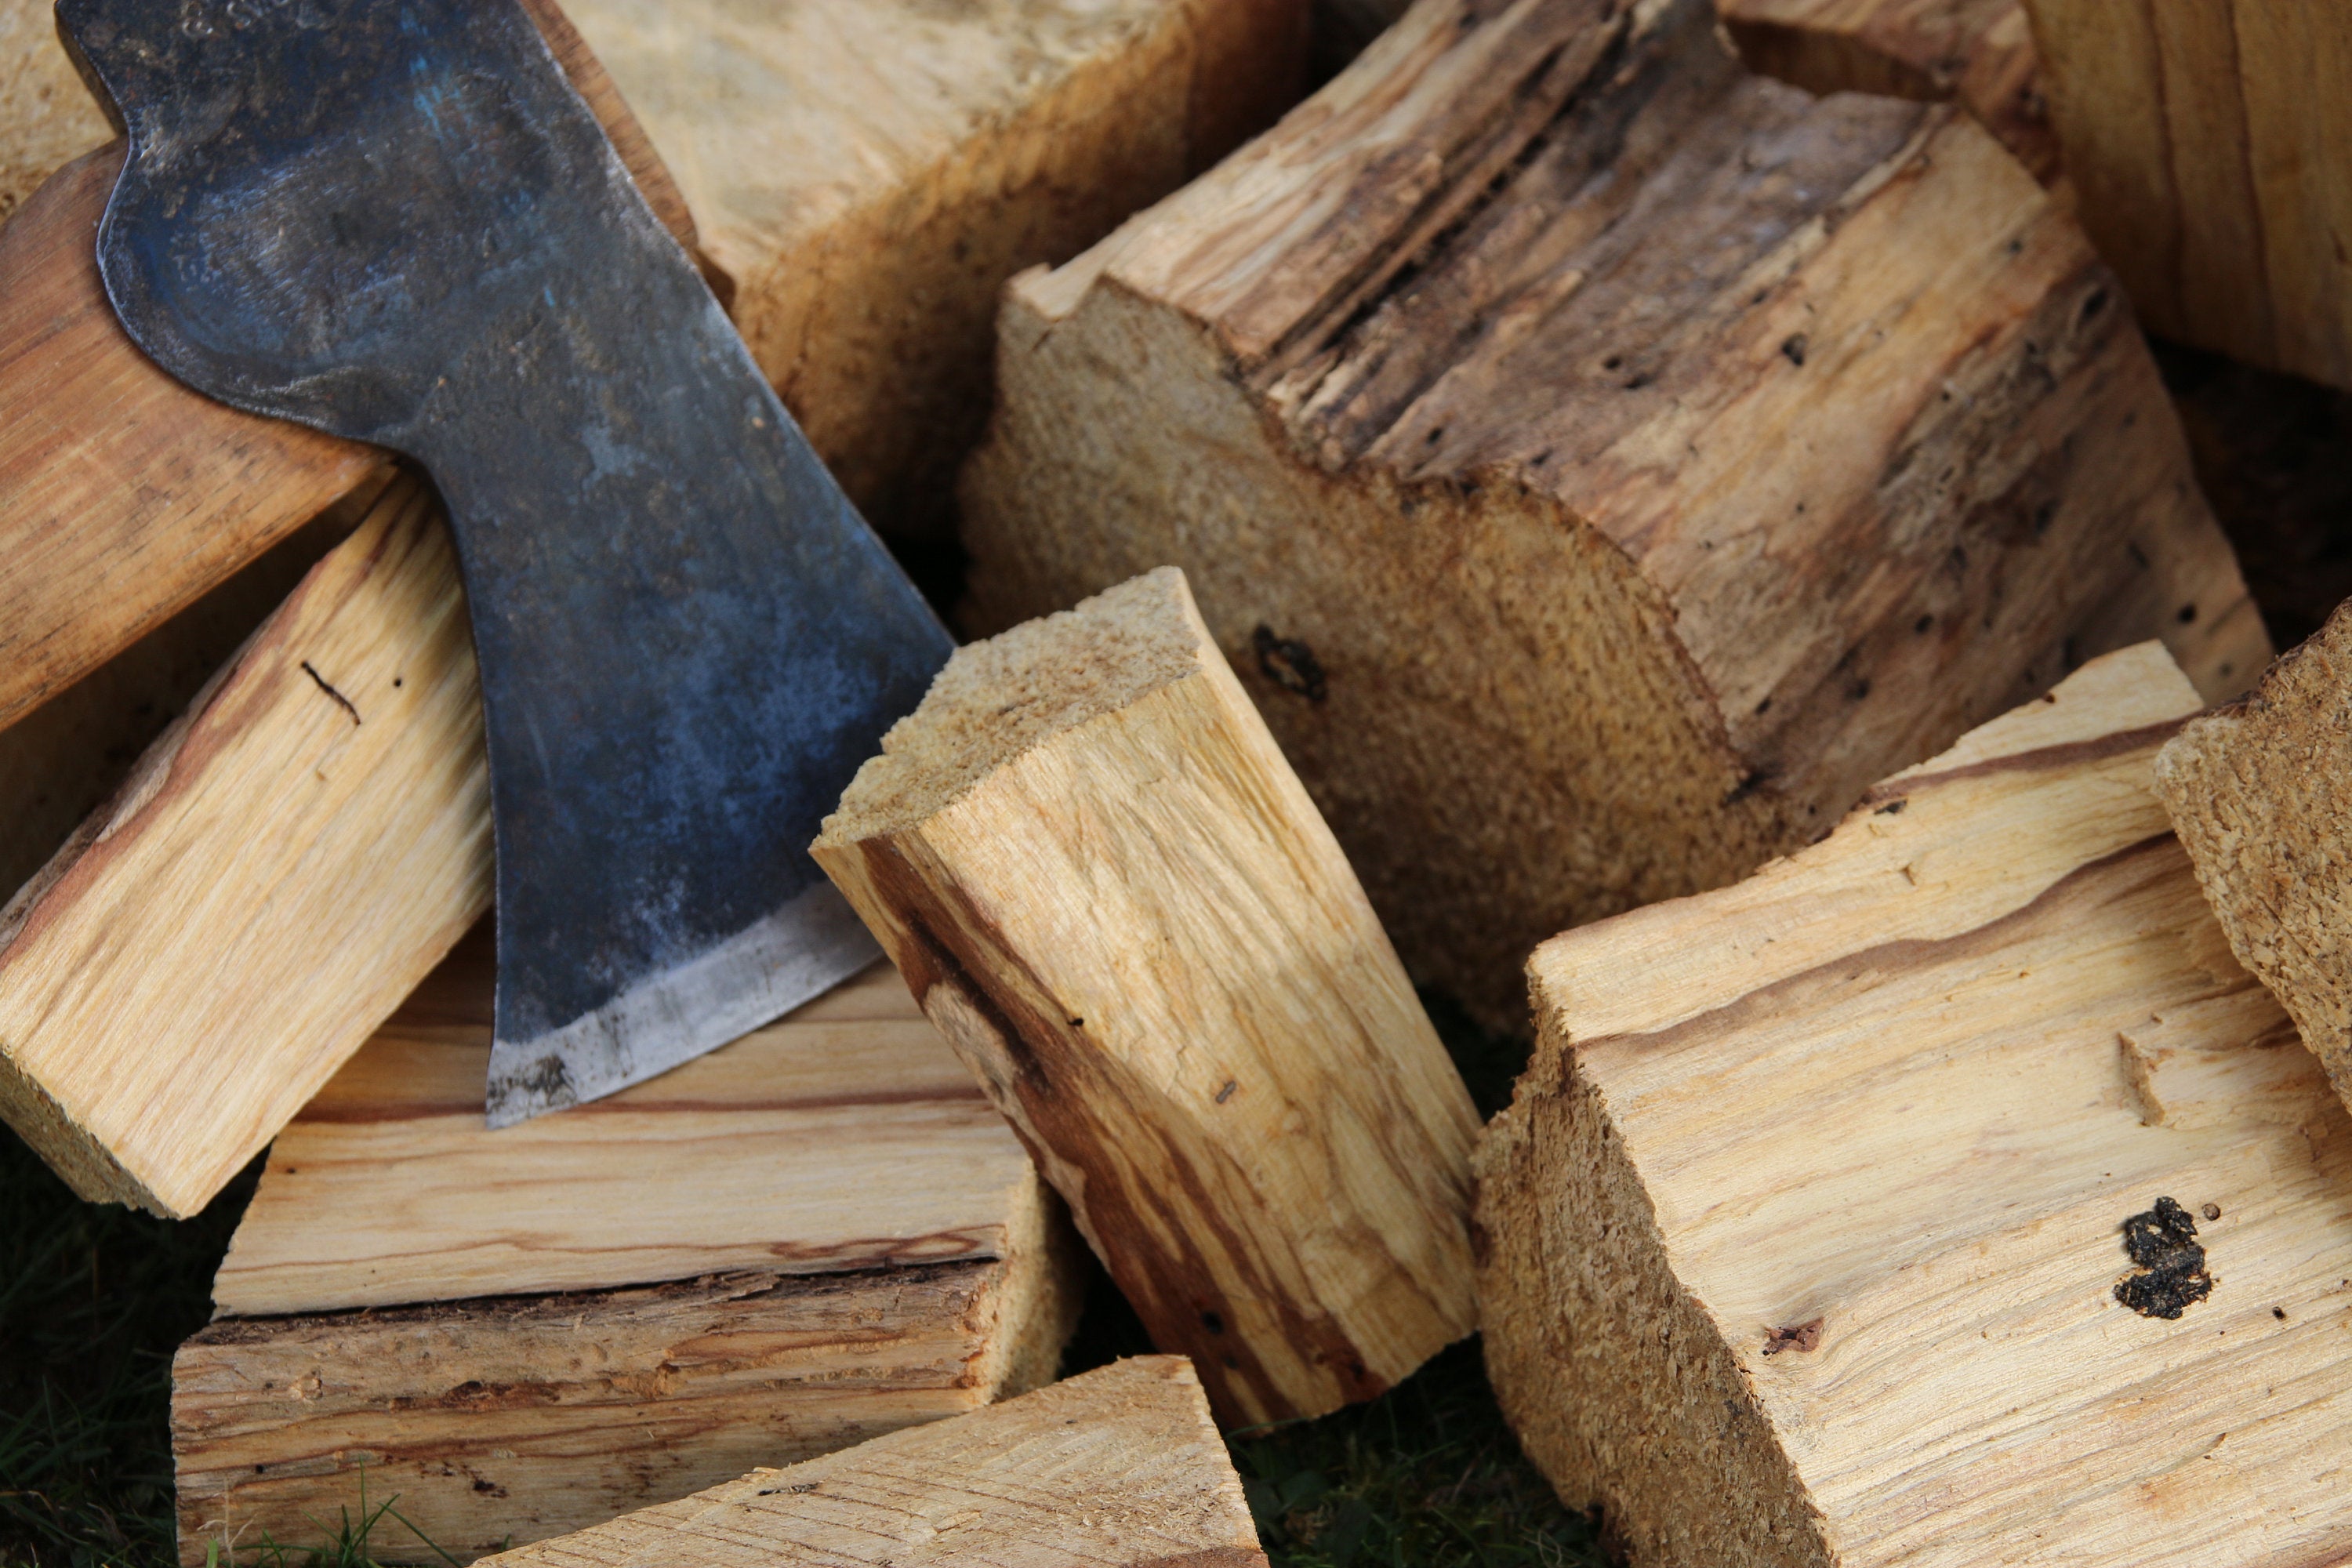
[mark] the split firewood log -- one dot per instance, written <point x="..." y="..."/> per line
<point x="1944" y="1194"/>
<point x="817" y="1235"/>
<point x="962" y="146"/>
<point x="1118" y="1468"/>
<point x="1602" y="464"/>
<point x="1978" y="53"/>
<point x="2260" y="794"/>
<point x="1108" y="889"/>
<point x="2206" y="143"/>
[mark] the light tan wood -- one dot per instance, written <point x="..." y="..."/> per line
<point x="1805" y="1227"/>
<point x="2206" y="138"/>
<point x="1118" y="1466"/>
<point x="1562" y="581"/>
<point x="2261" y="795"/>
<point x="1008" y="119"/>
<point x="1978" y="53"/>
<point x="869" y="174"/>
<point x="48" y="118"/>
<point x="815" y="1236"/>
<point x="204" y="953"/>
<point x="1108" y="889"/>
<point x="844" y="1136"/>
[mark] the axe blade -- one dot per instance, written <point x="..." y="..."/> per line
<point x="394" y="220"/>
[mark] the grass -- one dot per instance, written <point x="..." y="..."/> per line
<point x="94" y="1299"/>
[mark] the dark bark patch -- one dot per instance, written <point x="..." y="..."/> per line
<point x="1290" y="664"/>
<point x="1802" y="1337"/>
<point x="2171" y="1276"/>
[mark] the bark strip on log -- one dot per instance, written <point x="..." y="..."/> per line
<point x="1601" y="465"/>
<point x="1118" y="1468"/>
<point x="1978" y="53"/>
<point x="2207" y="142"/>
<point x="1106" y="887"/>
<point x="817" y="1235"/>
<point x="1942" y="1194"/>
<point x="2261" y="795"/>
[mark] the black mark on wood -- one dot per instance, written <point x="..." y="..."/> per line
<point x="2171" y="1276"/>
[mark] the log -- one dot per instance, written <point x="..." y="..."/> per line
<point x="2261" y="795"/>
<point x="1118" y="1466"/>
<point x="47" y="117"/>
<point x="866" y="176"/>
<point x="282" y="867"/>
<point x="2206" y="143"/>
<point x="278" y="989"/>
<point x="1978" y="53"/>
<point x="1944" y="1194"/>
<point x="1105" y="886"/>
<point x="1600" y="464"/>
<point x="815" y="1236"/>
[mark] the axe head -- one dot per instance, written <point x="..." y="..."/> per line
<point x="396" y="221"/>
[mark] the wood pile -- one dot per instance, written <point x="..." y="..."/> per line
<point x="1677" y="488"/>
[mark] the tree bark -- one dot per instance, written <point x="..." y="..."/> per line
<point x="1600" y="464"/>
<point x="1941" y="1194"/>
<point x="1108" y="889"/>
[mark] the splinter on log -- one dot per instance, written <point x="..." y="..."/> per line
<point x="1940" y="1196"/>
<point x="1118" y="1468"/>
<point x="2208" y="144"/>
<point x="2260" y="793"/>
<point x="817" y="1235"/>
<point x="1108" y="889"/>
<point x="1976" y="52"/>
<point x="1649" y="456"/>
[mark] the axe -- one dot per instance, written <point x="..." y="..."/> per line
<point x="397" y="222"/>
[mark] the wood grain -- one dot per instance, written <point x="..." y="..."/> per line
<point x="48" y="118"/>
<point x="1601" y="465"/>
<point x="816" y="1235"/>
<point x="1108" y="889"/>
<point x="869" y="176"/>
<point x="196" y="961"/>
<point x="844" y="1136"/>
<point x="2207" y="142"/>
<point x="2261" y="795"/>
<point x="1805" y="1227"/>
<point x="124" y="496"/>
<point x="1120" y="1466"/>
<point x="1978" y="53"/>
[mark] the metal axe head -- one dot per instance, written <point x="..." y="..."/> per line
<point x="394" y="220"/>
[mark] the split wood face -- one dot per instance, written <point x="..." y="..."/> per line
<point x="818" y="1235"/>
<point x="1649" y="456"/>
<point x="1095" y="871"/>
<point x="2206" y="142"/>
<point x="2260" y="794"/>
<point x="1944" y="1194"/>
<point x="1118" y="1468"/>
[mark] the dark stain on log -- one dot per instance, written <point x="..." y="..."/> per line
<point x="2171" y="1274"/>
<point x="1290" y="664"/>
<point x="1803" y="1337"/>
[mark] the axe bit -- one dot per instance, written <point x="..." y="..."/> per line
<point x="396" y="221"/>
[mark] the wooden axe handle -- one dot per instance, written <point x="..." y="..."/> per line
<point x="123" y="495"/>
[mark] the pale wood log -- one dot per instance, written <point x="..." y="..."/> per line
<point x="281" y="868"/>
<point x="48" y="118"/>
<point x="816" y="1235"/>
<point x="1804" y="1229"/>
<point x="869" y="176"/>
<point x="1978" y="53"/>
<point x="802" y="190"/>
<point x="1106" y="887"/>
<point x="1118" y="1468"/>
<point x="2260" y="794"/>
<point x="2207" y="140"/>
<point x="1601" y="466"/>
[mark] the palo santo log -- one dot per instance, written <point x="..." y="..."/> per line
<point x="819" y="1234"/>
<point x="1978" y="53"/>
<point x="196" y="960"/>
<point x="2206" y="143"/>
<point x="1118" y="1468"/>
<point x="1942" y="1194"/>
<point x="866" y="177"/>
<point x="1106" y="887"/>
<point x="1600" y="464"/>
<point x="2260" y="794"/>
